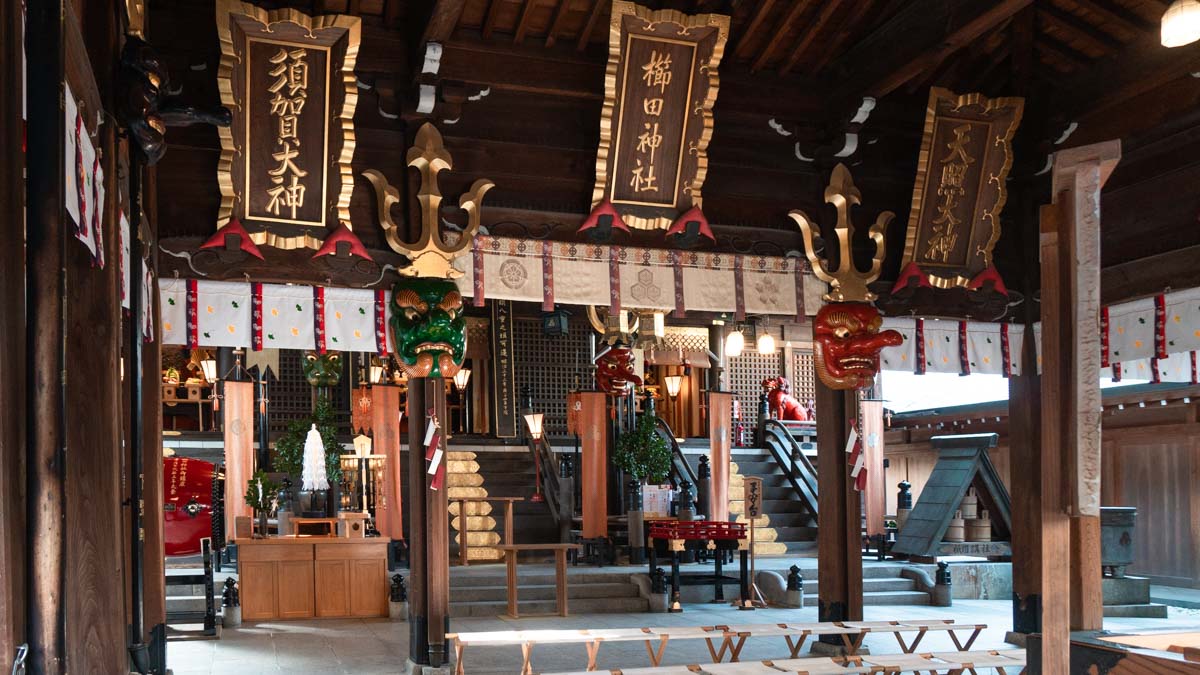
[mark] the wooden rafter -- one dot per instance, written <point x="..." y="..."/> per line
<point x="768" y="49"/>
<point x="1078" y="28"/>
<point x="443" y="19"/>
<point x="585" y="36"/>
<point x="1074" y="59"/>
<point x="489" y="22"/>
<point x="1141" y="67"/>
<point x="742" y="50"/>
<point x="560" y="13"/>
<point x="850" y="23"/>
<point x="810" y="34"/>
<point x="523" y="22"/>
<point x="1114" y="13"/>
<point x="919" y="36"/>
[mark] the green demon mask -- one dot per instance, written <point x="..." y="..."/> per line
<point x="428" y="326"/>
<point x="323" y="370"/>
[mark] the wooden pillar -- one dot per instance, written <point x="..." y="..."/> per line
<point x="1070" y="453"/>
<point x="154" y="566"/>
<point x="12" y="340"/>
<point x="839" y="539"/>
<point x="429" y="531"/>
<point x="46" y="452"/>
<point x="1025" y="443"/>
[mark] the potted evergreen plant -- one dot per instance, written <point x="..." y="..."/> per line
<point x="643" y="453"/>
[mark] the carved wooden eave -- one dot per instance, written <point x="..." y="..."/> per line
<point x="318" y="32"/>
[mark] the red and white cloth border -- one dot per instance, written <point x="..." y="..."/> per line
<point x="503" y="268"/>
<point x="1147" y="339"/>
<point x="258" y="316"/>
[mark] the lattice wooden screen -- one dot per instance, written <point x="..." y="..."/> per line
<point x="804" y="377"/>
<point x="746" y="373"/>
<point x="291" y="395"/>
<point x="552" y="366"/>
<point x="686" y="338"/>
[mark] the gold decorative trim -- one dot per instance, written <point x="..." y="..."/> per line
<point x="847" y="283"/>
<point x="431" y="255"/>
<point x="936" y="95"/>
<point x="686" y="23"/>
<point x="313" y="26"/>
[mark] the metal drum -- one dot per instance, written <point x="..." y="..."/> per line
<point x="191" y="490"/>
<point x="1117" y="525"/>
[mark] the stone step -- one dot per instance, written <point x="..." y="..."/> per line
<point x="527" y="591"/>
<point x="549" y="607"/>
<point x="887" y="585"/>
<point x="576" y="577"/>
<point x="763" y="468"/>
<point x="1142" y="611"/>
<point x="774" y="506"/>
<point x="189" y="603"/>
<point x="896" y="598"/>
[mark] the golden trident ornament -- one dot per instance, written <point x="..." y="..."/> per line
<point x="431" y="256"/>
<point x="847" y="283"/>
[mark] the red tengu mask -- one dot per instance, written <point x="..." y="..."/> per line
<point x="614" y="371"/>
<point x="846" y="344"/>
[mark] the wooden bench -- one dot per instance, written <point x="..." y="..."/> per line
<point x="951" y="663"/>
<point x="722" y="641"/>
<point x="560" y="571"/>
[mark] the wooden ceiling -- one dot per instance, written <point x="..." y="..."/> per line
<point x="520" y="84"/>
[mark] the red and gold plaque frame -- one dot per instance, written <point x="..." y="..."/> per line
<point x="688" y="49"/>
<point x="966" y="153"/>
<point x="335" y="41"/>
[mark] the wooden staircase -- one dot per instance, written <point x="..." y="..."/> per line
<point x="786" y="525"/>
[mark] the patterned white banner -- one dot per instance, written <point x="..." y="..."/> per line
<point x="223" y="313"/>
<point x="1131" y="330"/>
<point x="288" y="317"/>
<point x="902" y="356"/>
<point x="349" y="319"/>
<point x="941" y="347"/>
<point x="1183" y="321"/>
<point x="172" y="298"/>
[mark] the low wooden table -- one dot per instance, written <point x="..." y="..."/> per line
<point x="463" y="543"/>
<point x="560" y="571"/>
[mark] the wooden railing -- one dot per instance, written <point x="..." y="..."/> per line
<point x="790" y="457"/>
<point x="557" y="485"/>
<point x="681" y="469"/>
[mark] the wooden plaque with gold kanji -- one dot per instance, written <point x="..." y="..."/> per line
<point x="288" y="79"/>
<point x="660" y="87"/>
<point x="960" y="190"/>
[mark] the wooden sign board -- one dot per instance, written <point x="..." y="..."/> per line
<point x="506" y="406"/>
<point x="288" y="79"/>
<point x="659" y="90"/>
<point x="754" y="496"/>
<point x="960" y="190"/>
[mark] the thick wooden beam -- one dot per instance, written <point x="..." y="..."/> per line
<point x="850" y="23"/>
<point x="1025" y="426"/>
<point x="811" y="33"/>
<point x="1143" y="66"/>
<point x="12" y="341"/>
<point x="919" y="36"/>
<point x="839" y="540"/>
<point x="781" y="30"/>
<point x="1149" y="276"/>
<point x="429" y="528"/>
<point x="1073" y="58"/>
<point x="442" y="20"/>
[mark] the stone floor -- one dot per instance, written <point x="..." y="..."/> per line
<point x="381" y="646"/>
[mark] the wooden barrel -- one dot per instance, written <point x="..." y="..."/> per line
<point x="980" y="529"/>
<point x="956" y="530"/>
<point x="970" y="505"/>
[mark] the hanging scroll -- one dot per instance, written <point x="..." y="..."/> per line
<point x="505" y="374"/>
<point x="960" y="190"/>
<point x="284" y="170"/>
<point x="659" y="90"/>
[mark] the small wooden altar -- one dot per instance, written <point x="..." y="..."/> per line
<point x="284" y="578"/>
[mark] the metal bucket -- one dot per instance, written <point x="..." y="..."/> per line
<point x="1117" y="526"/>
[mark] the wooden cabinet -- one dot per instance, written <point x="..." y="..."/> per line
<point x="299" y="578"/>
